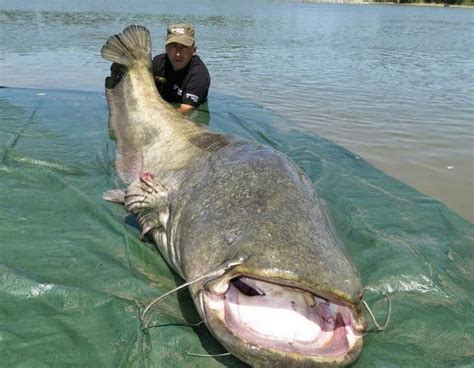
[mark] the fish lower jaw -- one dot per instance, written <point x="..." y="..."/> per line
<point x="262" y="322"/>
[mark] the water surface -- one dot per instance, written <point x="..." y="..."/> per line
<point x="392" y="84"/>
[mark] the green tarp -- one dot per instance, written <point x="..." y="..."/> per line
<point x="74" y="274"/>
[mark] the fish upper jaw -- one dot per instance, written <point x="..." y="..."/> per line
<point x="264" y="323"/>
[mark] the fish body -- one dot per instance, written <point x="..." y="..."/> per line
<point x="280" y="290"/>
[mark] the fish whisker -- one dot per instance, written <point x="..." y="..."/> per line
<point x="208" y="355"/>
<point x="389" y="312"/>
<point x="213" y="274"/>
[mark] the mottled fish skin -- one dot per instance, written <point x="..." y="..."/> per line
<point x="210" y="200"/>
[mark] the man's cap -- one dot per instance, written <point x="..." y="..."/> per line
<point x="180" y="33"/>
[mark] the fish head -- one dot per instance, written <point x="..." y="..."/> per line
<point x="294" y="297"/>
<point x="274" y="317"/>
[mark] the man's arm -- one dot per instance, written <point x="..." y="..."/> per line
<point x="195" y="88"/>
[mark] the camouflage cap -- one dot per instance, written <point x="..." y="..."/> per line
<point x="180" y="33"/>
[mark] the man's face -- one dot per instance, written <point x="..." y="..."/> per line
<point x="179" y="55"/>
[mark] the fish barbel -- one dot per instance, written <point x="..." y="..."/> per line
<point x="280" y="290"/>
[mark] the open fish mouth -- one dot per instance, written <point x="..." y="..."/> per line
<point x="286" y="321"/>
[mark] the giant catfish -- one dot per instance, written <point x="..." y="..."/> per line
<point x="237" y="220"/>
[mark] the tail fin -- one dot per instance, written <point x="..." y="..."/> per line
<point x="132" y="44"/>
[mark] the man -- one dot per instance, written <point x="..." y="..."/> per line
<point x="180" y="75"/>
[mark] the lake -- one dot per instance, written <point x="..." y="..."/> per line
<point x="392" y="84"/>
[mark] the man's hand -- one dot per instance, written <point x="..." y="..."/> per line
<point x="185" y="108"/>
<point x="116" y="74"/>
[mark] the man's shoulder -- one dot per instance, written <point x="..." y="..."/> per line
<point x="159" y="57"/>
<point x="197" y="61"/>
<point x="197" y="66"/>
<point x="159" y="62"/>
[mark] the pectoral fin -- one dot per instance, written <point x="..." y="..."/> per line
<point x="114" y="195"/>
<point x="148" y="200"/>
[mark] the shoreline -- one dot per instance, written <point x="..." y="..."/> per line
<point x="390" y="3"/>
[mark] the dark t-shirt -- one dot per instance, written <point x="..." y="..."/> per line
<point x="188" y="86"/>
